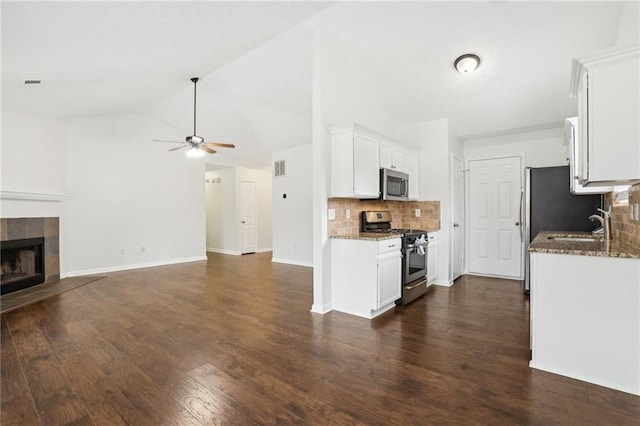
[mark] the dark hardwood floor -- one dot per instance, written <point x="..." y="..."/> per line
<point x="232" y="341"/>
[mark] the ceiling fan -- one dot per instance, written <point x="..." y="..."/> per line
<point x="196" y="144"/>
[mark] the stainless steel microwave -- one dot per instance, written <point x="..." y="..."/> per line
<point x="394" y="185"/>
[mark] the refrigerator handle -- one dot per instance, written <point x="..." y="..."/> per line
<point x="520" y="215"/>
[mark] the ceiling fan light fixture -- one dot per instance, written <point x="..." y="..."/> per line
<point x="467" y="63"/>
<point x="194" y="152"/>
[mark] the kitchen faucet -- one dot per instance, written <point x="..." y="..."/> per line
<point x="605" y="222"/>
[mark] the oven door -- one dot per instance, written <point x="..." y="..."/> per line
<point x="415" y="261"/>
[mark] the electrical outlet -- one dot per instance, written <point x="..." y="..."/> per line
<point x="418" y="213"/>
<point x="348" y="214"/>
<point x="636" y="211"/>
<point x="332" y="214"/>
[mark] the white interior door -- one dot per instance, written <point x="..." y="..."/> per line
<point x="457" y="247"/>
<point x="248" y="228"/>
<point x="495" y="242"/>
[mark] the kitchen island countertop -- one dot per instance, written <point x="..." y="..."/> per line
<point x="544" y="243"/>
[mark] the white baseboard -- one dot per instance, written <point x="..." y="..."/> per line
<point x="231" y="252"/>
<point x="475" y="274"/>
<point x="235" y="252"/>
<point x="442" y="283"/>
<point x="128" y="267"/>
<point x="292" y="262"/>
<point x="322" y="309"/>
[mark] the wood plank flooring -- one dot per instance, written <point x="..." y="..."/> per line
<point x="231" y="340"/>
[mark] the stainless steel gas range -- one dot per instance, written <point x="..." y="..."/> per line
<point x="415" y="248"/>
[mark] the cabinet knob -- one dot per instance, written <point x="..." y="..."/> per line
<point x="455" y="225"/>
<point x="517" y="224"/>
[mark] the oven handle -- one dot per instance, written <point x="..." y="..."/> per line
<point x="410" y="246"/>
<point x="415" y="285"/>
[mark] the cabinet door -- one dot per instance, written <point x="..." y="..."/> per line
<point x="391" y="157"/>
<point x="366" y="171"/>
<point x="389" y="278"/>
<point x="571" y="136"/>
<point x="410" y="163"/>
<point x="613" y="111"/>
<point x="386" y="160"/>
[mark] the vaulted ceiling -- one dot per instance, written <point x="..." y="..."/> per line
<point x="255" y="60"/>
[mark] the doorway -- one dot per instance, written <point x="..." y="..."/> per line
<point x="495" y="229"/>
<point x="457" y="246"/>
<point x="248" y="228"/>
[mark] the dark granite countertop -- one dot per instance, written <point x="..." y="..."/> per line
<point x="369" y="236"/>
<point x="545" y="243"/>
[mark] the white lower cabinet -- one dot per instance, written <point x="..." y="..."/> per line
<point x="585" y="318"/>
<point x="366" y="275"/>
<point x="432" y="257"/>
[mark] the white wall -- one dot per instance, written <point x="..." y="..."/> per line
<point x="543" y="148"/>
<point x="223" y="229"/>
<point x="293" y="215"/>
<point x="132" y="203"/>
<point x="629" y="25"/>
<point x="33" y="154"/>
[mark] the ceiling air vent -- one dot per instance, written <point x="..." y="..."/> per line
<point x="33" y="82"/>
<point x="278" y="168"/>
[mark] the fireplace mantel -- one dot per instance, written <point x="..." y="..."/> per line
<point x="32" y="196"/>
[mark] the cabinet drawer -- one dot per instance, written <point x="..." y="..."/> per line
<point x="389" y="245"/>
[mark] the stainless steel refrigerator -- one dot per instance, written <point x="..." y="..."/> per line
<point x="550" y="206"/>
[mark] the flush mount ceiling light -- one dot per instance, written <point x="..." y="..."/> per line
<point x="467" y="63"/>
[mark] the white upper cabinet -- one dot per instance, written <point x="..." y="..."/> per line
<point x="608" y="89"/>
<point x="571" y="139"/>
<point x="391" y="157"/>
<point x="355" y="170"/>
<point x="358" y="154"/>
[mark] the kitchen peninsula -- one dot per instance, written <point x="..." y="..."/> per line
<point x="585" y="309"/>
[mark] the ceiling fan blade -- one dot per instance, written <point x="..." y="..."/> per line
<point x="179" y="147"/>
<point x="207" y="149"/>
<point x="160" y="140"/>
<point x="221" y="145"/>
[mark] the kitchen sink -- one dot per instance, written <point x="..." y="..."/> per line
<point x="581" y="239"/>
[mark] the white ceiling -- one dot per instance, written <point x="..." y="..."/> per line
<point x="255" y="62"/>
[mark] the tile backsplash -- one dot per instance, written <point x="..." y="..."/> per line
<point x="622" y="227"/>
<point x="402" y="214"/>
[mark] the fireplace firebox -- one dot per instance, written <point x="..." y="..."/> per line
<point x="22" y="264"/>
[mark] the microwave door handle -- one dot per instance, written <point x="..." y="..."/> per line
<point x="404" y="190"/>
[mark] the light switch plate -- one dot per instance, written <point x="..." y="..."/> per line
<point x="332" y="214"/>
<point x="348" y="214"/>
<point x="636" y="211"/>
<point x="418" y="213"/>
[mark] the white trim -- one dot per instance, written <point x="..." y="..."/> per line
<point x="323" y="309"/>
<point x="221" y="251"/>
<point x="442" y="283"/>
<point x="133" y="266"/>
<point x="292" y="262"/>
<point x="504" y="277"/>
<point x="32" y="196"/>
<point x="264" y="250"/>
